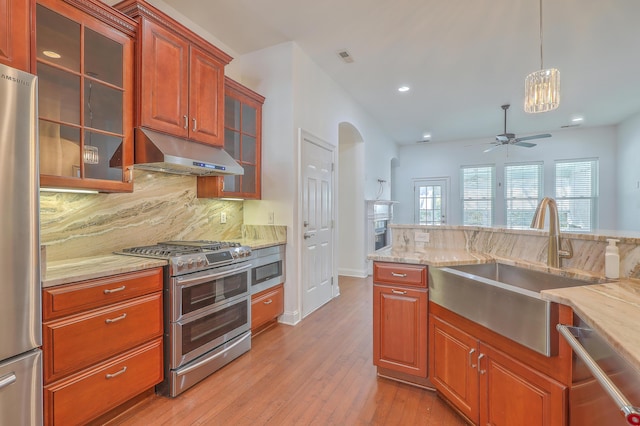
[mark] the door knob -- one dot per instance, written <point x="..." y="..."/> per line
<point x="308" y="235"/>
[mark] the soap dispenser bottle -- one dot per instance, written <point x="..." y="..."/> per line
<point x="612" y="260"/>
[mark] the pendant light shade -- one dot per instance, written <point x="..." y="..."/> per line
<point x="542" y="91"/>
<point x="542" y="88"/>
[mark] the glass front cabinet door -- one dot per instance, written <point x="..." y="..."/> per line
<point x="85" y="101"/>
<point x="243" y="141"/>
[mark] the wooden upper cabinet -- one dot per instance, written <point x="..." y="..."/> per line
<point x="243" y="141"/>
<point x="206" y="97"/>
<point x="164" y="83"/>
<point x="84" y="62"/>
<point x="180" y="77"/>
<point x="15" y="34"/>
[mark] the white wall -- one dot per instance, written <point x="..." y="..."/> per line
<point x="445" y="159"/>
<point x="629" y="174"/>
<point x="299" y="95"/>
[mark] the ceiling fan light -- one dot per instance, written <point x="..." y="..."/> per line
<point x="542" y="91"/>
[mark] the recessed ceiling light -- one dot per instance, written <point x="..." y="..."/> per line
<point x="403" y="89"/>
<point x="52" y="54"/>
<point x="577" y="119"/>
<point x="426" y="136"/>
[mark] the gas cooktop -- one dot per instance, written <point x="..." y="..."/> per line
<point x="192" y="256"/>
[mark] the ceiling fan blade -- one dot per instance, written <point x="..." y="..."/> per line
<point x="491" y="148"/>
<point x="525" y="144"/>
<point x="527" y="138"/>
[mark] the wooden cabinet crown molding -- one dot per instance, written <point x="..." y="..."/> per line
<point x="232" y="85"/>
<point x="138" y="9"/>
<point x="107" y="14"/>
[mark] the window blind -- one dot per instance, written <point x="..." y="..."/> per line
<point x="576" y="184"/>
<point x="522" y="191"/>
<point x="477" y="195"/>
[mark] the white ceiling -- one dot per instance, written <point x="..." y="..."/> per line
<point x="461" y="58"/>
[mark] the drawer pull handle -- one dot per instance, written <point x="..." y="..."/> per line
<point x="268" y="302"/>
<point x="111" y="320"/>
<point x="398" y="292"/>
<point x="195" y="127"/>
<point x="111" y="376"/>
<point x="395" y="274"/>
<point x="114" y="290"/>
<point x="186" y="121"/>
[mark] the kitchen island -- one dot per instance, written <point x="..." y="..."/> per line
<point x="458" y="347"/>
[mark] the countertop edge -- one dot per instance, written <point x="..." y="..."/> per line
<point x="86" y="268"/>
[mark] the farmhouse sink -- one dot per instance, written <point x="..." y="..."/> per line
<point x="503" y="298"/>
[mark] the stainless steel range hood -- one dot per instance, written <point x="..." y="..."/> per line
<point x="169" y="154"/>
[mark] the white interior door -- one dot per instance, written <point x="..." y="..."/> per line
<point x="317" y="223"/>
<point x="430" y="201"/>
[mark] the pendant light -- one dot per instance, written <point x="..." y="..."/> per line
<point x="542" y="88"/>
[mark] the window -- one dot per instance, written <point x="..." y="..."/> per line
<point x="430" y="201"/>
<point x="522" y="191"/>
<point x="477" y="195"/>
<point x="577" y="194"/>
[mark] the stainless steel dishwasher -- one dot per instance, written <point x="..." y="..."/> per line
<point x="605" y="388"/>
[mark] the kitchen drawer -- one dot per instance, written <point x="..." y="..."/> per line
<point x="74" y="343"/>
<point x="91" y="393"/>
<point x="74" y="298"/>
<point x="266" y="305"/>
<point x="400" y="274"/>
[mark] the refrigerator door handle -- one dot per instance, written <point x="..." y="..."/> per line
<point x="7" y="380"/>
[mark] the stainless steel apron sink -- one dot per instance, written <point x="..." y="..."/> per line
<point x="503" y="298"/>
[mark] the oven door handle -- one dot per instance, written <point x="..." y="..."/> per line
<point x="195" y="281"/>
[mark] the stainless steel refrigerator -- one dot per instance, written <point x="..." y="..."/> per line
<point x="20" y="287"/>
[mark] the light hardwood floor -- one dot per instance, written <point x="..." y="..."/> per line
<point x="319" y="372"/>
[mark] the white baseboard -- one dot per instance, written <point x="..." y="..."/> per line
<point x="358" y="273"/>
<point x="290" y="318"/>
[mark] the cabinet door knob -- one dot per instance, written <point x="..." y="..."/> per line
<point x="128" y="174"/>
<point x="480" y="370"/>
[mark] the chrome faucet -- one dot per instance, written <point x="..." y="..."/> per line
<point x="554" y="251"/>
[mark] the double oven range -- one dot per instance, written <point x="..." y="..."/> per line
<point x="207" y="307"/>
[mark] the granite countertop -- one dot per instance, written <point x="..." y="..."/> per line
<point x="86" y="268"/>
<point x="430" y="256"/>
<point x="612" y="309"/>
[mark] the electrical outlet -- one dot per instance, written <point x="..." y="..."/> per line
<point x="421" y="237"/>
<point x="223" y="217"/>
<point x="271" y="218"/>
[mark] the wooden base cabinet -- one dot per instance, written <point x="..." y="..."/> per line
<point x="102" y="344"/>
<point x="400" y="318"/>
<point x="487" y="385"/>
<point x="266" y="307"/>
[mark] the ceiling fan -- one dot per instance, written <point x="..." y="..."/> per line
<point x="510" y="139"/>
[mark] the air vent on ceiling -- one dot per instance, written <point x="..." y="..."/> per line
<point x="345" y="56"/>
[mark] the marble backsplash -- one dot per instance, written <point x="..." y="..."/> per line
<point x="161" y="207"/>
<point x="525" y="245"/>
